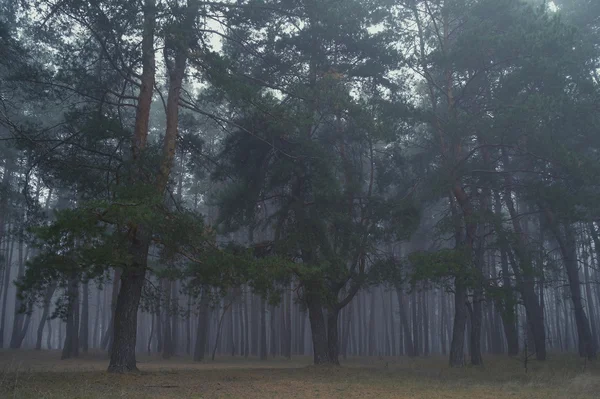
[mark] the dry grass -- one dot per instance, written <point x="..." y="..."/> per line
<point x="26" y="374"/>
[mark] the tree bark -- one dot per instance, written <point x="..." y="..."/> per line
<point x="333" y="348"/>
<point x="122" y="357"/>
<point x="457" y="346"/>
<point x="318" y="330"/>
<point x="71" y="344"/>
<point x="45" y="313"/>
<point x="202" y="330"/>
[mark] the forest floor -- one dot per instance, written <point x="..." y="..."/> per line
<point x="29" y="374"/>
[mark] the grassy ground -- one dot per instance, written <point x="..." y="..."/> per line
<point x="28" y="374"/>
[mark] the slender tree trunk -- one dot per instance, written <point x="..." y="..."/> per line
<point x="15" y="341"/>
<point x="273" y="334"/>
<point x="347" y="331"/>
<point x="96" y="329"/>
<point x="263" y="330"/>
<point x="6" y="281"/>
<point x="202" y="329"/>
<point x="84" y="322"/>
<point x="188" y="327"/>
<point x="392" y="325"/>
<point x="174" y="317"/>
<point x="5" y="258"/>
<point x="417" y="341"/>
<point x="589" y="299"/>
<point x="242" y="327"/>
<point x="372" y="331"/>
<point x="288" y="326"/>
<point x="476" y="321"/>
<point x="167" y="335"/>
<point x="409" y="347"/>
<point x="443" y="316"/>
<point x="246" y="337"/>
<point x="149" y="346"/>
<point x="425" y="310"/>
<point x="108" y="335"/>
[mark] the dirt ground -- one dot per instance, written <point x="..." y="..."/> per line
<point x="29" y="374"/>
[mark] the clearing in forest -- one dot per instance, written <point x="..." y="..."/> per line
<point x="28" y="374"/>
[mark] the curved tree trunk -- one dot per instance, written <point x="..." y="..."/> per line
<point x="45" y="313"/>
<point x="567" y="244"/>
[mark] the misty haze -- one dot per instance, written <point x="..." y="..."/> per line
<point x="299" y="199"/>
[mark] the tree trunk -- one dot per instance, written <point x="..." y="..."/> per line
<point x="508" y="308"/>
<point x="168" y="339"/>
<point x="409" y="347"/>
<point x="45" y="313"/>
<point x="6" y="282"/>
<point x="188" y="327"/>
<point x="372" y="331"/>
<point x="417" y="341"/>
<point x="590" y="299"/>
<point x="5" y="258"/>
<point x="273" y="333"/>
<point x="347" y="330"/>
<point x="318" y="330"/>
<point x="476" y="316"/>
<point x="202" y="329"/>
<point x="394" y="352"/>
<point x="587" y="344"/>
<point x="524" y="272"/>
<point x="108" y="334"/>
<point x="457" y="346"/>
<point x="263" y="330"/>
<point x="246" y="337"/>
<point x="333" y="348"/>
<point x="443" y="315"/>
<point x="15" y="341"/>
<point x="84" y="322"/>
<point x="71" y="344"/>
<point x="288" y="326"/>
<point x="122" y="357"/>
<point x="174" y="317"/>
